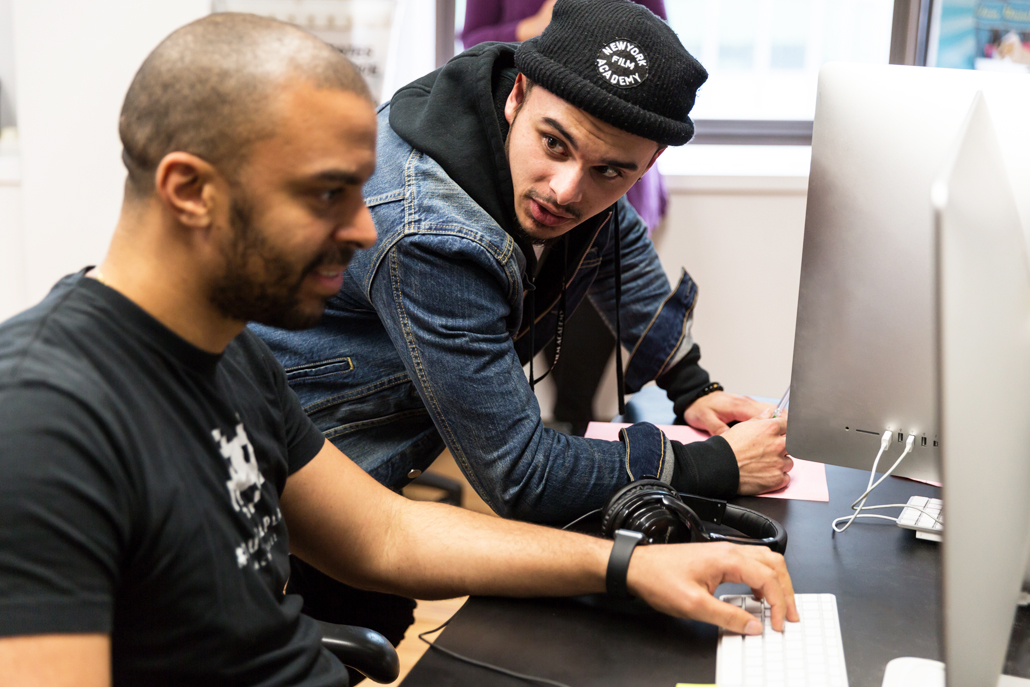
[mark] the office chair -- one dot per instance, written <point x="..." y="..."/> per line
<point x="361" y="649"/>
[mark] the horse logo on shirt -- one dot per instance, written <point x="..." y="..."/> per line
<point x="245" y="479"/>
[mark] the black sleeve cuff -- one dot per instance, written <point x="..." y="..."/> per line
<point x="706" y="468"/>
<point x="684" y="381"/>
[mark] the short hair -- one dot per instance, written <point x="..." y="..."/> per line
<point x="207" y="88"/>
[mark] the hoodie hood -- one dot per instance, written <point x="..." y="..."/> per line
<point x="455" y="115"/>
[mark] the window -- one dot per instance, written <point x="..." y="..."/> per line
<point x="763" y="56"/>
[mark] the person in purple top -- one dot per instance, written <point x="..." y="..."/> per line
<point x="589" y="343"/>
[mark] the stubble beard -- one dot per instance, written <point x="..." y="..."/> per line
<point x="259" y="284"/>
<point x="520" y="229"/>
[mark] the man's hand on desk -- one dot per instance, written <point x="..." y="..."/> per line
<point x="680" y="579"/>
<point x="760" y="446"/>
<point x="713" y="412"/>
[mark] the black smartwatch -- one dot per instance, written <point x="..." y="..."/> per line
<point x="618" y="562"/>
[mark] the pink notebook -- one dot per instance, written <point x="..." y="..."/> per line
<point x="807" y="479"/>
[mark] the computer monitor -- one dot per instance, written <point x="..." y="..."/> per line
<point x="982" y="337"/>
<point x="983" y="361"/>
<point x="864" y="346"/>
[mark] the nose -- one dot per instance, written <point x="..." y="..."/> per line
<point x="567" y="185"/>
<point x="360" y="231"/>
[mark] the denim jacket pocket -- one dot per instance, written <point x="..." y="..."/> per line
<point x="322" y="371"/>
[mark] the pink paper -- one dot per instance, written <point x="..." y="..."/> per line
<point x="807" y="479"/>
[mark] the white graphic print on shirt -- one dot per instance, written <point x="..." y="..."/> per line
<point x="243" y="469"/>
<point x="244" y="485"/>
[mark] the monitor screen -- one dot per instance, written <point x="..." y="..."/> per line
<point x="864" y="342"/>
<point x="983" y="359"/>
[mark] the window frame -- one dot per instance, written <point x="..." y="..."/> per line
<point x="910" y="32"/>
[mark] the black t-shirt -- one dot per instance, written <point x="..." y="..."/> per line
<point x="139" y="495"/>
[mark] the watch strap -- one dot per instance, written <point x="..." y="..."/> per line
<point x="618" y="562"/>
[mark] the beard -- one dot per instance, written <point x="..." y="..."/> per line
<point x="260" y="284"/>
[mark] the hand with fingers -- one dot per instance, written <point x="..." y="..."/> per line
<point x="760" y="446"/>
<point x="713" y="412"/>
<point x="680" y="579"/>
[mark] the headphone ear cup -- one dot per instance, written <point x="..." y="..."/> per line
<point x="637" y="507"/>
<point x="615" y="509"/>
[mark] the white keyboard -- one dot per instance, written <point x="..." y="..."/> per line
<point x="806" y="654"/>
<point x="922" y="523"/>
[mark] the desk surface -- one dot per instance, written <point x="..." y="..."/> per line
<point x="886" y="582"/>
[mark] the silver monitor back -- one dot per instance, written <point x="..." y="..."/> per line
<point x="983" y="320"/>
<point x="864" y="346"/>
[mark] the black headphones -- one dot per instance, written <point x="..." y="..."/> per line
<point x="664" y="516"/>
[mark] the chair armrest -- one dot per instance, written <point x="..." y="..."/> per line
<point x="364" y="650"/>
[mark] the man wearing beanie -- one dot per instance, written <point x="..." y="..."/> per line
<point x="506" y="150"/>
<point x="497" y="199"/>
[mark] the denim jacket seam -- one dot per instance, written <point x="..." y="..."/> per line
<point x="383" y="198"/>
<point x="661" y="455"/>
<point x="382" y="249"/>
<point x="356" y="393"/>
<point x="341" y="430"/>
<point x="502" y="258"/>
<point x="416" y="358"/>
<point x="466" y="232"/>
<point x="320" y="363"/>
<point x="650" y="324"/>
<point x="429" y="396"/>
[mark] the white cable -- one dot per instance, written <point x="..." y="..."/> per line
<point x="885" y="441"/>
<point x="909" y="444"/>
<point x="859" y="504"/>
<point x="925" y="512"/>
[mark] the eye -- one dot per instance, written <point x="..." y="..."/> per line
<point x="553" y="144"/>
<point x="331" y="195"/>
<point x="609" y="172"/>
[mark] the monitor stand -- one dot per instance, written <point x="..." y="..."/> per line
<point x="922" y="672"/>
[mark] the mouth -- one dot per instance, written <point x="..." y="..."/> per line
<point x="547" y="216"/>
<point x="329" y="278"/>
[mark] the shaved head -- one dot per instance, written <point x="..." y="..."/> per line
<point x="209" y="90"/>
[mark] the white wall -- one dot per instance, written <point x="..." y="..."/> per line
<point x="7" y="81"/>
<point x="740" y="239"/>
<point x="74" y="61"/>
<point x="12" y="287"/>
<point x="412" y="44"/>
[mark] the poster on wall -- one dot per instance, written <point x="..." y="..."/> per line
<point x="984" y="34"/>
<point x="360" y="29"/>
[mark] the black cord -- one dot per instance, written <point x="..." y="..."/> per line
<point x="481" y="664"/>
<point x="619" y="380"/>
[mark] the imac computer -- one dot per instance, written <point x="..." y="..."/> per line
<point x="982" y="360"/>
<point x="914" y="317"/>
<point x="864" y="347"/>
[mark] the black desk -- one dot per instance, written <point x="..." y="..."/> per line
<point x="886" y="582"/>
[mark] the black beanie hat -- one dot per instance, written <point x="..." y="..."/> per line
<point x="617" y="61"/>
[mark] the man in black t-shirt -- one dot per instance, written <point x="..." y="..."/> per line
<point x="156" y="470"/>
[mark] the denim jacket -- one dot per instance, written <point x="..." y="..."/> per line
<point x="424" y="345"/>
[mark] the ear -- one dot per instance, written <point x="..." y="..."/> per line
<point x="515" y="98"/>
<point x="654" y="158"/>
<point x="186" y="185"/>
